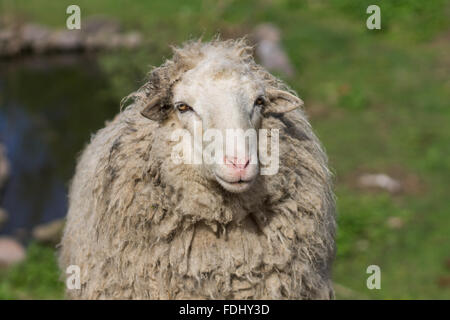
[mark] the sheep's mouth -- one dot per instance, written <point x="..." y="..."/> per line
<point x="234" y="186"/>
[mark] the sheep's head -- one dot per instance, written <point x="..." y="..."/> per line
<point x="216" y="91"/>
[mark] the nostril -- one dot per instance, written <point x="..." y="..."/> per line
<point x="237" y="163"/>
<point x="228" y="161"/>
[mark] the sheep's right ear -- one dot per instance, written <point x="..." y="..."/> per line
<point x="282" y="101"/>
<point x="156" y="110"/>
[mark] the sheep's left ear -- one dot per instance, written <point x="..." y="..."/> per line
<point x="156" y="110"/>
<point x="282" y="101"/>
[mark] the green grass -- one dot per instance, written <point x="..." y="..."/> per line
<point x="36" y="278"/>
<point x="378" y="100"/>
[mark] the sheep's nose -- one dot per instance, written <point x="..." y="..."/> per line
<point x="235" y="163"/>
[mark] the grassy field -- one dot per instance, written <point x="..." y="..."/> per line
<point x="378" y="100"/>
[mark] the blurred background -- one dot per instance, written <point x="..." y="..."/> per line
<point x="379" y="100"/>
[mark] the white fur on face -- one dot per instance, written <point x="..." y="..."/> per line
<point x="222" y="97"/>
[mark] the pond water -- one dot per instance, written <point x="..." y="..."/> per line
<point x="49" y="107"/>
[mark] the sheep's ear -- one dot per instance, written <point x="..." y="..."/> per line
<point x="282" y="102"/>
<point x="156" y="110"/>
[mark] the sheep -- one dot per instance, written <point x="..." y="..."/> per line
<point x="142" y="226"/>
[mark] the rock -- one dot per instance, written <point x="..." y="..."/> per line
<point x="380" y="181"/>
<point x="4" y="167"/>
<point x="11" y="252"/>
<point x="3" y="217"/>
<point x="10" y="43"/>
<point x="96" y="33"/>
<point x="49" y="233"/>
<point x="65" y="40"/>
<point x="109" y="41"/>
<point x="35" y="37"/>
<point x="270" y="51"/>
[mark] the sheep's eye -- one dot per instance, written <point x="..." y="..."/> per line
<point x="183" y="107"/>
<point x="260" y="102"/>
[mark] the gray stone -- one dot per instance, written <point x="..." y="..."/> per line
<point x="380" y="181"/>
<point x="35" y="37"/>
<point x="11" y="252"/>
<point x="49" y="233"/>
<point x="65" y="40"/>
<point x="96" y="33"/>
<point x="10" y="43"/>
<point x="269" y="49"/>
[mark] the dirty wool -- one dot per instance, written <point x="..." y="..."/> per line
<point x="140" y="226"/>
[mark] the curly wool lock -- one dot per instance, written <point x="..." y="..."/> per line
<point x="140" y="226"/>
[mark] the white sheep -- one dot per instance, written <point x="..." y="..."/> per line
<point x="142" y="226"/>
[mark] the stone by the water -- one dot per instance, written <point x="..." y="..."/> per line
<point x="11" y="252"/>
<point x="49" y="233"/>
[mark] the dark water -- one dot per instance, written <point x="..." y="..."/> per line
<point x="49" y="107"/>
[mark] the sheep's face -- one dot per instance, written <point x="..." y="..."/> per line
<point x="219" y="100"/>
<point x="222" y="104"/>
